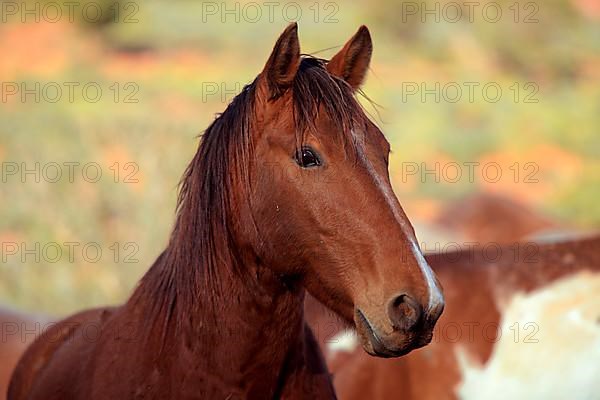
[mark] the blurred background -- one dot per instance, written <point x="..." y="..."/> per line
<point x="103" y="101"/>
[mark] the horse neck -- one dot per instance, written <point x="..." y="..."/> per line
<point x="246" y="333"/>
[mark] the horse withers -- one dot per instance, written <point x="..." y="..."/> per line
<point x="288" y="191"/>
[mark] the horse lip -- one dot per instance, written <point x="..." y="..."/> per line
<point x="370" y="329"/>
<point x="379" y="349"/>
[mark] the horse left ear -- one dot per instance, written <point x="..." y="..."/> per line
<point x="352" y="61"/>
<point x="283" y="63"/>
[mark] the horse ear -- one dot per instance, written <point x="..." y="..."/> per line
<point x="352" y="61"/>
<point x="282" y="65"/>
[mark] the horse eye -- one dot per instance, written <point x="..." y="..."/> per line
<point x="307" y="158"/>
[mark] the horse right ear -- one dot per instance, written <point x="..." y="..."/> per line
<point x="282" y="65"/>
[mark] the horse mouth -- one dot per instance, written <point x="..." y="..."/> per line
<point x="374" y="345"/>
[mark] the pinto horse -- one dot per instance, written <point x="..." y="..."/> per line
<point x="476" y="289"/>
<point x="219" y="315"/>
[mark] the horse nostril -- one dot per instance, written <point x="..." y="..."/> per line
<point x="404" y="312"/>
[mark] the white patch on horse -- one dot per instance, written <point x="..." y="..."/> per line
<point x="345" y="341"/>
<point x="435" y="294"/>
<point x="548" y="349"/>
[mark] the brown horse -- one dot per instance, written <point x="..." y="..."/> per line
<point x="289" y="190"/>
<point x="17" y="331"/>
<point x="476" y="287"/>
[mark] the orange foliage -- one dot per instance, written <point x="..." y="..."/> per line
<point x="533" y="175"/>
